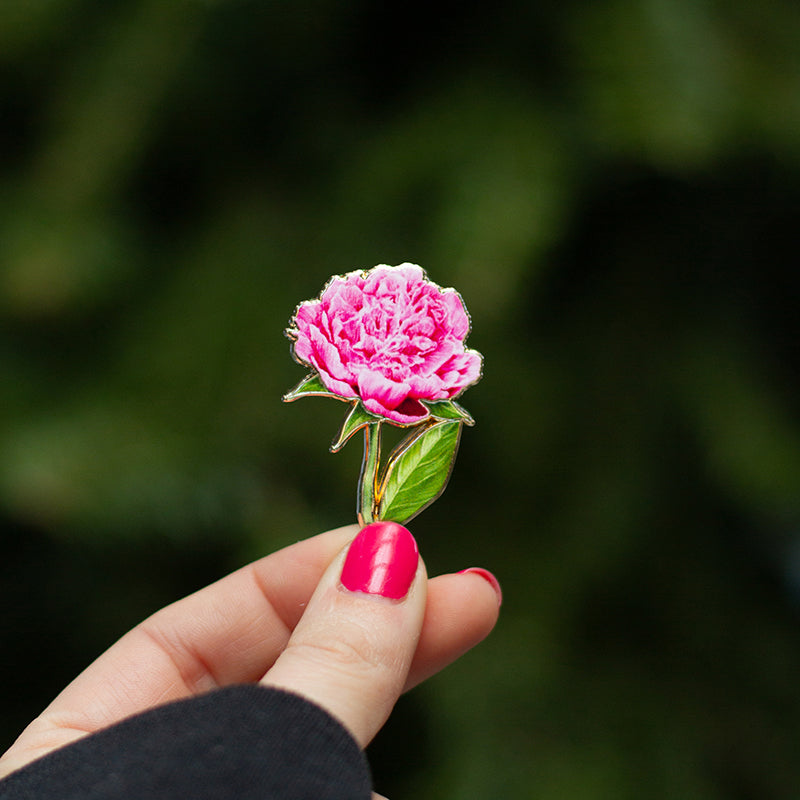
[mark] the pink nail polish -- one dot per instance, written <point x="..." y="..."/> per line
<point x="382" y="560"/>
<point x="487" y="576"/>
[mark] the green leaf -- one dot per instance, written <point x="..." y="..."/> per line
<point x="310" y="386"/>
<point x="357" y="418"/>
<point x="418" y="470"/>
<point x="447" y="409"/>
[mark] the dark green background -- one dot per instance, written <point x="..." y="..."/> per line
<point x="613" y="186"/>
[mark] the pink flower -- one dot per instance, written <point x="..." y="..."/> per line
<point x="389" y="337"/>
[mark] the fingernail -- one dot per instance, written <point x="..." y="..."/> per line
<point x="487" y="576"/>
<point x="382" y="560"/>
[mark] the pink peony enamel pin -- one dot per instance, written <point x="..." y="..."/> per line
<point x="390" y="343"/>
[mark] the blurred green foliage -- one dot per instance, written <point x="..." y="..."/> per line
<point x="614" y="187"/>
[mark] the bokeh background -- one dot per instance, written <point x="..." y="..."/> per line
<point x="614" y="187"/>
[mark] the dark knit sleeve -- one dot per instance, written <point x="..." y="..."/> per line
<point x="243" y="742"/>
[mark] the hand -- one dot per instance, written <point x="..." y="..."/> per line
<point x="292" y="620"/>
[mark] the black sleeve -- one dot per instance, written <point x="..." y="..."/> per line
<point x="243" y="742"/>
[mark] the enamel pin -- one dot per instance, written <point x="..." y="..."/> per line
<point x="390" y="343"/>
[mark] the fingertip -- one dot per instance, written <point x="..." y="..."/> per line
<point x="489" y="578"/>
<point x="461" y="611"/>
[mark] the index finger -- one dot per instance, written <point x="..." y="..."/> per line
<point x="232" y="632"/>
<point x="223" y="634"/>
<point x="229" y="632"/>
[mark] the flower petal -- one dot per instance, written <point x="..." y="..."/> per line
<point x="341" y="388"/>
<point x="457" y="318"/>
<point x="461" y="371"/>
<point x="409" y="412"/>
<point x="428" y="387"/>
<point x="325" y="356"/>
<point x="376" y="387"/>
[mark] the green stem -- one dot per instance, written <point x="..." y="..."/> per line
<point x="368" y="484"/>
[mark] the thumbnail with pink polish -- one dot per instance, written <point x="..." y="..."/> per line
<point x="381" y="560"/>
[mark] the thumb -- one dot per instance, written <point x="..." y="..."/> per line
<point x="352" y="649"/>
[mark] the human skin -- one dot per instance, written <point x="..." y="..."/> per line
<point x="285" y="621"/>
